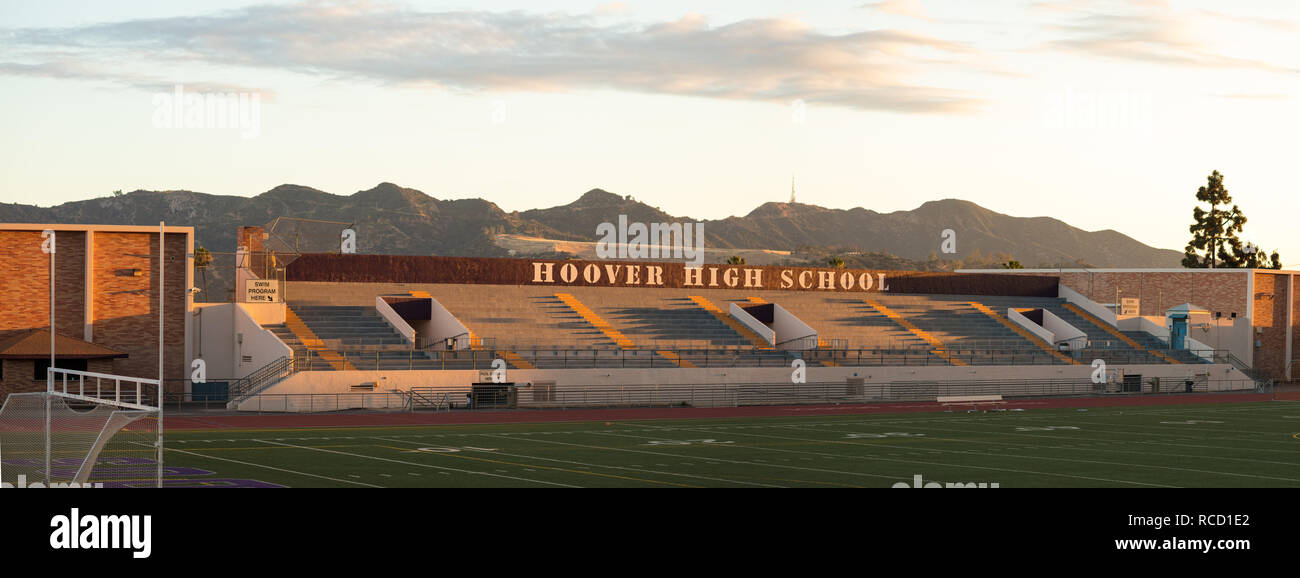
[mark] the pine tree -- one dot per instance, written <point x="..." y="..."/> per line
<point x="1214" y="233"/>
<point x="1215" y="243"/>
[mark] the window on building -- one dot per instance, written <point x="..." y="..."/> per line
<point x="43" y="365"/>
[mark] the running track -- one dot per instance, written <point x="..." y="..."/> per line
<point x="375" y="419"/>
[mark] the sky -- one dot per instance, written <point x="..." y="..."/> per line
<point x="1107" y="115"/>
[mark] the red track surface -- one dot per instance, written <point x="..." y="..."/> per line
<point x="198" y="422"/>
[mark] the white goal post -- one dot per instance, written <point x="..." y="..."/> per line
<point x="85" y="429"/>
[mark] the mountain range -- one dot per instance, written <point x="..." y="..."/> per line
<point x="397" y="220"/>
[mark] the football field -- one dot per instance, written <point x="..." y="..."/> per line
<point x="1201" y="445"/>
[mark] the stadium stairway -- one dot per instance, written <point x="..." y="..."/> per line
<point x="1155" y="344"/>
<point x="726" y="319"/>
<point x="1117" y="346"/>
<point x="939" y="350"/>
<point x="825" y="358"/>
<point x="311" y="342"/>
<point x="1035" y="340"/>
<point x="613" y="334"/>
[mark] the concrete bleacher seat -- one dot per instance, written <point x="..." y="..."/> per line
<point x="348" y="324"/>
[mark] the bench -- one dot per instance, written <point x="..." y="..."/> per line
<point x="974" y="401"/>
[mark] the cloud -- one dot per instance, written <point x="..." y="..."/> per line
<point x="1150" y="31"/>
<point x="72" y="70"/>
<point x="775" y="60"/>
<point x="1256" y="96"/>
<point x="909" y="8"/>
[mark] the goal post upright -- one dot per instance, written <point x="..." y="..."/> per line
<point x="49" y="372"/>
<point x="162" y="257"/>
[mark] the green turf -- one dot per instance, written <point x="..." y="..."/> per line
<point x="1240" y="445"/>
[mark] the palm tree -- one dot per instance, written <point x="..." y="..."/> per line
<point x="835" y="262"/>
<point x="202" y="259"/>
<point x="736" y="260"/>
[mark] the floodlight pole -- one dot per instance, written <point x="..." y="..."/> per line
<point x="162" y="252"/>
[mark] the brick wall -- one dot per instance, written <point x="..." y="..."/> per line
<point x="25" y="282"/>
<point x="1158" y="291"/>
<point x="1270" y="323"/>
<point x="19" y="375"/>
<point x="125" y="306"/>
<point x="1295" y="339"/>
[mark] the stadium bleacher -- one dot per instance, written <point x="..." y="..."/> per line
<point x="533" y="326"/>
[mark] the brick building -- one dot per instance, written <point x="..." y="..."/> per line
<point x="106" y="301"/>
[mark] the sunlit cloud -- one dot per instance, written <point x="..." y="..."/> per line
<point x="772" y="59"/>
<point x="1156" y="32"/>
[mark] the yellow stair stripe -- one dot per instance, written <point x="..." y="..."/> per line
<point x="596" y="320"/>
<point x="514" y="359"/>
<point x="1093" y="319"/>
<point x="676" y="359"/>
<point x="828" y="362"/>
<point x="313" y="343"/>
<point x="520" y="363"/>
<point x="939" y="348"/>
<point x="726" y="319"/>
<point x="1034" y="339"/>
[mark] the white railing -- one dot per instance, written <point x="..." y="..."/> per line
<point x="118" y="390"/>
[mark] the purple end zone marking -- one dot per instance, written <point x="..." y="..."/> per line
<point x="141" y="468"/>
<point x="198" y="483"/>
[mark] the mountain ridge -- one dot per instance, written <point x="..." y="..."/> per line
<point x="393" y="219"/>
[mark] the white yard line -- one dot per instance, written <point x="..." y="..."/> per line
<point x="273" y="468"/>
<point x="630" y="469"/>
<point x="417" y="464"/>
<point x="1128" y="438"/>
<point x="988" y="468"/>
<point x="1077" y="447"/>
<point x="714" y="460"/>
<point x="1057" y="459"/>
<point x="1164" y="429"/>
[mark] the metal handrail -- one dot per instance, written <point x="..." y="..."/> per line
<point x="812" y="336"/>
<point x="703" y="394"/>
<point x="264" y="377"/>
